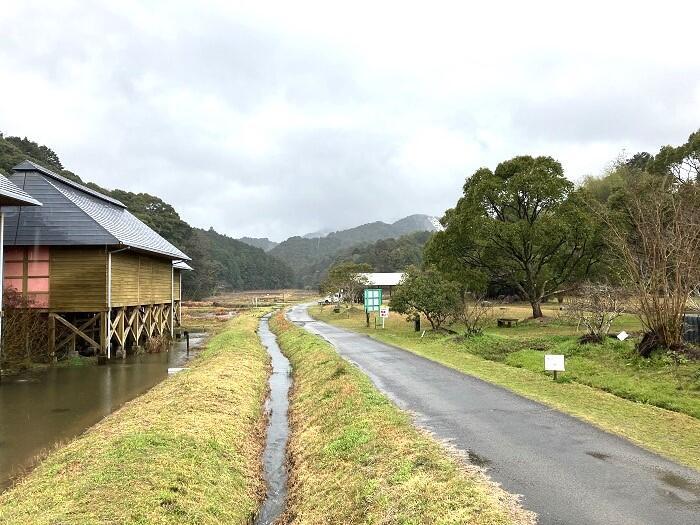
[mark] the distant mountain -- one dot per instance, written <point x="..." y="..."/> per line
<point x="384" y="255"/>
<point x="377" y="230"/>
<point x="319" y="233"/>
<point x="311" y="257"/>
<point x="263" y="243"/>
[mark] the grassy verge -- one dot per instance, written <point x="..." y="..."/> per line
<point x="187" y="451"/>
<point x="515" y="362"/>
<point x="358" y="459"/>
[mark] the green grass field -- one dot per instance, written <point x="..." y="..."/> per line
<point x="356" y="458"/>
<point x="654" y="402"/>
<point x="187" y="451"/>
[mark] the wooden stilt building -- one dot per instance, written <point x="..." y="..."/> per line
<point x="104" y="278"/>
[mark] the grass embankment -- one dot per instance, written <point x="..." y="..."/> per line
<point x="187" y="451"/>
<point x="358" y="459"/>
<point x="606" y="385"/>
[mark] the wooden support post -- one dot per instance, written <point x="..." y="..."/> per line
<point x="130" y="329"/>
<point x="79" y="331"/>
<point x="121" y="334"/>
<point x="52" y="336"/>
<point x="105" y="337"/>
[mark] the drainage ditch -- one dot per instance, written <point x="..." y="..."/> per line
<point x="276" y="406"/>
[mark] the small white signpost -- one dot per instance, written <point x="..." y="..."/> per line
<point x="554" y="363"/>
<point x="384" y="313"/>
<point x="623" y="335"/>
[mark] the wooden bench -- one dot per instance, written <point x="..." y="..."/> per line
<point x="507" y="322"/>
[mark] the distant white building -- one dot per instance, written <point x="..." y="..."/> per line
<point x="385" y="281"/>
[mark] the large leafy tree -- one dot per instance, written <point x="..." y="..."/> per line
<point x="523" y="225"/>
<point x="426" y="292"/>
<point x="681" y="162"/>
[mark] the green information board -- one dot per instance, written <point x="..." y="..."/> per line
<point x="373" y="299"/>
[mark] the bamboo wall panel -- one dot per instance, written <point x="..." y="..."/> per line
<point x="78" y="280"/>
<point x="139" y="279"/>
<point x="176" y="285"/>
<point x="146" y="280"/>
<point x="162" y="280"/>
<point x="125" y="279"/>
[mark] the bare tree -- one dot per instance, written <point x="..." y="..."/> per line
<point x="347" y="280"/>
<point x="24" y="332"/>
<point x="655" y="230"/>
<point x="475" y="313"/>
<point x="596" y="306"/>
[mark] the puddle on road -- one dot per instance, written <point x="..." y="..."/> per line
<point x="274" y="457"/>
<point x="599" y="455"/>
<point x="478" y="460"/>
<point x="677" y="482"/>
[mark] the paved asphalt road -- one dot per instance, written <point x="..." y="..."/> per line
<point x="567" y="471"/>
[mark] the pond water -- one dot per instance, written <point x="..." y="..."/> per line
<point x="43" y="408"/>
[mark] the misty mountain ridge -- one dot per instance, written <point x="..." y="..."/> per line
<point x="310" y="257"/>
<point x="378" y="230"/>
<point x="263" y="243"/>
<point x="365" y="233"/>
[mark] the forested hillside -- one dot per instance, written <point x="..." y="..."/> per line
<point x="384" y="255"/>
<point x="311" y="257"/>
<point x="220" y="262"/>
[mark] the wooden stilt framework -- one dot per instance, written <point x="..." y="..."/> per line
<point x="124" y="327"/>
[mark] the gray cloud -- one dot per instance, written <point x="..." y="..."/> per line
<point x="277" y="120"/>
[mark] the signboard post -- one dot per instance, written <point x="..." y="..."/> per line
<point x="384" y="313"/>
<point x="373" y="301"/>
<point x="554" y="363"/>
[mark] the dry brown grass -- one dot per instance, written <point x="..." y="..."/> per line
<point x="356" y="458"/>
<point x="187" y="451"/>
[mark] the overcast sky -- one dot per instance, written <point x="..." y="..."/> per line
<point x="275" y="119"/>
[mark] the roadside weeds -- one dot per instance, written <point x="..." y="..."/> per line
<point x="670" y="434"/>
<point x="356" y="458"/>
<point x="187" y="451"/>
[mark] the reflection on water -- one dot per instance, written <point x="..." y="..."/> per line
<point x="38" y="410"/>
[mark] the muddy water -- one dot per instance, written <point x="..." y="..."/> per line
<point x="274" y="459"/>
<point x="38" y="410"/>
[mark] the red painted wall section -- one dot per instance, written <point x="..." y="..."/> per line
<point x="27" y="271"/>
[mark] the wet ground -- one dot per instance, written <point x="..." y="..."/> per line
<point x="40" y="409"/>
<point x="568" y="471"/>
<point x="277" y="405"/>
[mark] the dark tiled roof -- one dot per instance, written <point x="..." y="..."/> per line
<point x="28" y="165"/>
<point x="74" y="215"/>
<point x="12" y="195"/>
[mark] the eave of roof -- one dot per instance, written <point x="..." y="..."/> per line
<point x="182" y="265"/>
<point x="383" y="278"/>
<point x="28" y="165"/>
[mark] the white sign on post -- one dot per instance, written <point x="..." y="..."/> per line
<point x="554" y="363"/>
<point x="623" y="335"/>
<point x="384" y="313"/>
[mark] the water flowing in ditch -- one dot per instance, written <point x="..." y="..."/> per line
<point x="277" y="404"/>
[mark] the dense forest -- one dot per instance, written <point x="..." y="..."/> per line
<point x="220" y="262"/>
<point x="384" y="255"/>
<point x="376" y="243"/>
